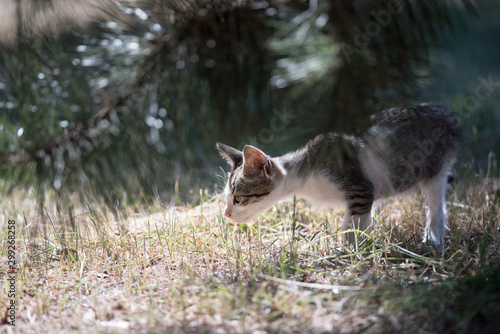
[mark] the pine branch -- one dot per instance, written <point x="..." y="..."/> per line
<point x="89" y="128"/>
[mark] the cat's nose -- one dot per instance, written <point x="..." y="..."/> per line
<point x="227" y="213"/>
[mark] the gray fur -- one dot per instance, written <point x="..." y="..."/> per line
<point x="404" y="147"/>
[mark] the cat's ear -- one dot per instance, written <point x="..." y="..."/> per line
<point x="256" y="162"/>
<point x="233" y="156"/>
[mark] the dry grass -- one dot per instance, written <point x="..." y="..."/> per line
<point x="189" y="270"/>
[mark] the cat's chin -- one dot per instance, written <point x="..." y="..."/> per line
<point x="242" y="220"/>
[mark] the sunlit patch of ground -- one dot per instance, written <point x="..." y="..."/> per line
<point x="188" y="270"/>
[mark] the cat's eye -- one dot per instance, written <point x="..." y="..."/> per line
<point x="236" y="199"/>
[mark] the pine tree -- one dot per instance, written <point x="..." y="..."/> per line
<point x="133" y="103"/>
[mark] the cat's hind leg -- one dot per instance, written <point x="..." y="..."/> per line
<point x="434" y="191"/>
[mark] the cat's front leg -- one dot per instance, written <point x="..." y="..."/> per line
<point x="362" y="222"/>
<point x="358" y="215"/>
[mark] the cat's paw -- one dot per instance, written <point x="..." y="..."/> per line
<point x="434" y="237"/>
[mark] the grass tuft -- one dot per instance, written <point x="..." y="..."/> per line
<point x="189" y="270"/>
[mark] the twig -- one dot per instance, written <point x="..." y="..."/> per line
<point x="334" y="287"/>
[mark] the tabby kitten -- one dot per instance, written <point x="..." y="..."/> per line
<point x="402" y="148"/>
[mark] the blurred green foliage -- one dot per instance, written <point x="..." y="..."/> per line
<point x="131" y="107"/>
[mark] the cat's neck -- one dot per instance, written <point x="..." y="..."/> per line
<point x="295" y="173"/>
<point x="305" y="180"/>
<point x="294" y="163"/>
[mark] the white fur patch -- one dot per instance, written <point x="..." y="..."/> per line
<point x="317" y="189"/>
<point x="375" y="170"/>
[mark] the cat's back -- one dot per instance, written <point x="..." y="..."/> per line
<point x="414" y="143"/>
<point x="425" y="124"/>
<point x="425" y="120"/>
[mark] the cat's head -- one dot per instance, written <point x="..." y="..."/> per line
<point x="251" y="184"/>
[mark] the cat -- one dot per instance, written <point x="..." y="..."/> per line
<point x="402" y="148"/>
